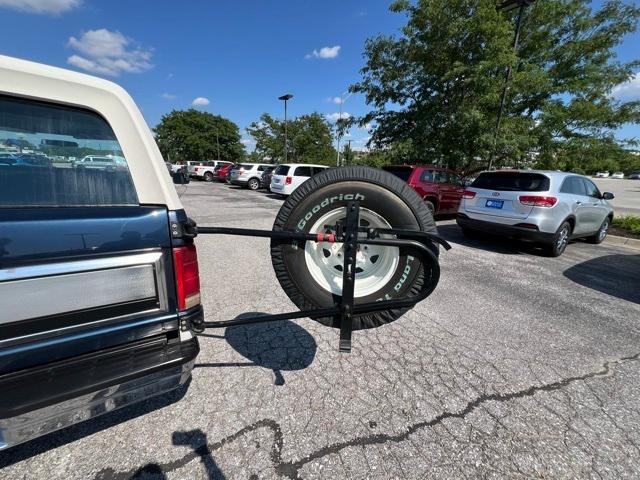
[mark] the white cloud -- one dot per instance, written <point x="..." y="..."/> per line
<point x="324" y="52"/>
<point x="628" y="90"/>
<point x="333" y="117"/>
<point x="200" y="101"/>
<point x="108" y="53"/>
<point x="336" y="100"/>
<point x="168" y="96"/>
<point x="367" y="126"/>
<point x="41" y="6"/>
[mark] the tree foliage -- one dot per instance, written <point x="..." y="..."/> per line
<point x="436" y="87"/>
<point x="309" y="139"/>
<point x="196" y="135"/>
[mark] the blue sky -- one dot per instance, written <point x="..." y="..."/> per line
<point x="236" y="57"/>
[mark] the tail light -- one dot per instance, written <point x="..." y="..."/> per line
<point x="288" y="180"/>
<point x="468" y="194"/>
<point x="185" y="262"/>
<point x="536" y="201"/>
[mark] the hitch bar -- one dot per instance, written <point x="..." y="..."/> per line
<point x="346" y="233"/>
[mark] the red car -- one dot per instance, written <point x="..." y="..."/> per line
<point x="441" y="189"/>
<point x="220" y="173"/>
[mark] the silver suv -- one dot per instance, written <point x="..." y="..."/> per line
<point x="546" y="207"/>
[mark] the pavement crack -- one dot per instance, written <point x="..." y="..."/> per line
<point x="292" y="469"/>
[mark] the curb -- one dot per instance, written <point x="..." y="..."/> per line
<point x="623" y="241"/>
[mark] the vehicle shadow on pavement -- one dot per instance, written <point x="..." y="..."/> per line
<point x="278" y="346"/>
<point x="89" y="427"/>
<point x="615" y="275"/>
<point x="490" y="243"/>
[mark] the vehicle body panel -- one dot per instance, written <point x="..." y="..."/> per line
<point x="585" y="212"/>
<point x="296" y="174"/>
<point x="442" y="187"/>
<point x="87" y="279"/>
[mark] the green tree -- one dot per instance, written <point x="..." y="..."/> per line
<point x="195" y="135"/>
<point x="309" y="138"/>
<point x="437" y="86"/>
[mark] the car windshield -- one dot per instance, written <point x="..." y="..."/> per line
<point x="512" y="181"/>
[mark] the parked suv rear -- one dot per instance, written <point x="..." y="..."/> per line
<point x="289" y="176"/>
<point x="546" y="207"/>
<point x="98" y="281"/>
<point x="441" y="189"/>
<point x="247" y="174"/>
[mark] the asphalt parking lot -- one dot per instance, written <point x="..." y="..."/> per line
<point x="627" y="194"/>
<point x="518" y="366"/>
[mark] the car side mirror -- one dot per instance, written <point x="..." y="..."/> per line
<point x="180" y="177"/>
<point x="607" y="196"/>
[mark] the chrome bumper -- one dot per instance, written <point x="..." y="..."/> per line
<point x="36" y="423"/>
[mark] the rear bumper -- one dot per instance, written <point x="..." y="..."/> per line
<point x="42" y="399"/>
<point x="512" y="231"/>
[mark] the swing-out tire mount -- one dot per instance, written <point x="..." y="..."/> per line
<point x="353" y="229"/>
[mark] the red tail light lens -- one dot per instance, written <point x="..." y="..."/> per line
<point x="468" y="194"/>
<point x="536" y="201"/>
<point x="288" y="180"/>
<point x="185" y="262"/>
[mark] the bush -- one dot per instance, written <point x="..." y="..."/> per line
<point x="628" y="222"/>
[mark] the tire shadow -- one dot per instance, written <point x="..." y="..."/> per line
<point x="278" y="346"/>
<point x="491" y="243"/>
<point x="615" y="275"/>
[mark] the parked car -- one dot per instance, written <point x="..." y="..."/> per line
<point x="618" y="175"/>
<point x="634" y="176"/>
<point x="247" y="175"/>
<point x="176" y="167"/>
<point x="602" y="175"/>
<point x="207" y="172"/>
<point x="546" y="207"/>
<point x="289" y="176"/>
<point x="265" y="181"/>
<point x="99" y="285"/>
<point x="192" y="164"/>
<point x="221" y="172"/>
<point x="24" y="160"/>
<point x="96" y="162"/>
<point x="441" y="189"/>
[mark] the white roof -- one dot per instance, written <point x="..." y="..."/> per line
<point x="43" y="82"/>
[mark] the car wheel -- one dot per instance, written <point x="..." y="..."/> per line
<point x="208" y="177"/>
<point x="431" y="207"/>
<point x="560" y="240"/>
<point x="601" y="234"/>
<point x="253" y="184"/>
<point x="311" y="273"/>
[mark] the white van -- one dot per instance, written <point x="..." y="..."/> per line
<point x="289" y="176"/>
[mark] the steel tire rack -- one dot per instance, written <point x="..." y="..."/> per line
<point x="346" y="233"/>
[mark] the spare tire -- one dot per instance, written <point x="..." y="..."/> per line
<point x="310" y="273"/>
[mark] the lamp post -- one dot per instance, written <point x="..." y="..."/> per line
<point x="286" y="97"/>
<point x="507" y="6"/>
<point x="342" y="100"/>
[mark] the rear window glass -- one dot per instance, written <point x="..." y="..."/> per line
<point x="302" y="172"/>
<point x="246" y="166"/>
<point x="401" y="172"/>
<point x="281" y="170"/>
<point x="512" y="181"/>
<point x="53" y="155"/>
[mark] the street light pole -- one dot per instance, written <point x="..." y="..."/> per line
<point x="342" y="100"/>
<point x="506" y="6"/>
<point x="286" y="97"/>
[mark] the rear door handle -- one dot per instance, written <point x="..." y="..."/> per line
<point x="578" y="202"/>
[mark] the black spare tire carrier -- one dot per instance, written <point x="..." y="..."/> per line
<point x="351" y="233"/>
